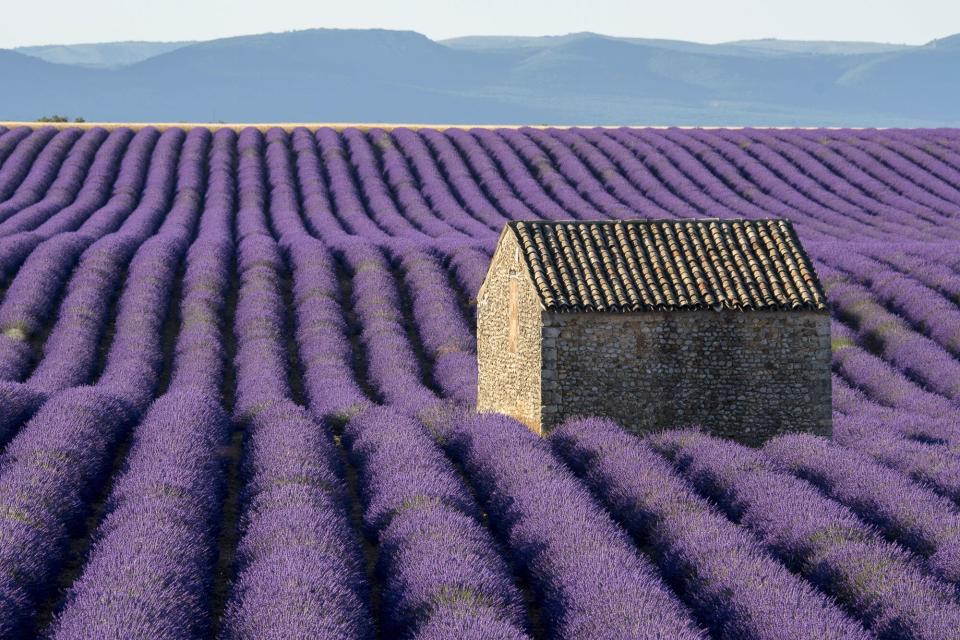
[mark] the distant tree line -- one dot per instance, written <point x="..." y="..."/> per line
<point x="56" y="118"/>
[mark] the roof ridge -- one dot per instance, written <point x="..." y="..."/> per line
<point x="575" y="222"/>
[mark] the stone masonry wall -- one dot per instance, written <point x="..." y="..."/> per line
<point x="744" y="375"/>
<point x="508" y="338"/>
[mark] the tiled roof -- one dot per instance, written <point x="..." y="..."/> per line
<point x="646" y="265"/>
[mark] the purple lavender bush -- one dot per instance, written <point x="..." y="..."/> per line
<point x="880" y="582"/>
<point x="726" y="577"/>
<point x="49" y="473"/>
<point x="300" y="572"/>
<point x="438" y="565"/>
<point x="907" y="512"/>
<point x="588" y="579"/>
<point x="150" y="571"/>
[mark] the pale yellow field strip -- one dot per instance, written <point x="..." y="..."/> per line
<point x="363" y="126"/>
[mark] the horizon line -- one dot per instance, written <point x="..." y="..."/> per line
<point x="441" y="40"/>
<point x="365" y="126"/>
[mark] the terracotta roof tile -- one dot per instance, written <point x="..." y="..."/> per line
<point x="643" y="265"/>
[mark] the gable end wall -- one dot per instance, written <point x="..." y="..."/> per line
<point x="508" y="359"/>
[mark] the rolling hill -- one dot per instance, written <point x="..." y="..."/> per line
<point x="104" y="54"/>
<point x="398" y="76"/>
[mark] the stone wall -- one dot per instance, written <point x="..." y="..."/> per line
<point x="508" y="338"/>
<point x="744" y="375"/>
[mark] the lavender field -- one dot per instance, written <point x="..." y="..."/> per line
<point x="236" y="373"/>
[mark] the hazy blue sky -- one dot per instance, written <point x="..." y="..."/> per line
<point x="69" y="21"/>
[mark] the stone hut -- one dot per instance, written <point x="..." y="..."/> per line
<point x="656" y="324"/>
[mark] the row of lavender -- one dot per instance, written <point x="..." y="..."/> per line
<point x="440" y="571"/>
<point x="339" y="198"/>
<point x="371" y="273"/>
<point x="60" y="461"/>
<point x="459" y="184"/>
<point x="17" y="330"/>
<point x="292" y="478"/>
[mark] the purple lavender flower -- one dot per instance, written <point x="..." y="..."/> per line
<point x="587" y="577"/>
<point x="300" y="570"/>
<point x="907" y="512"/>
<point x="725" y="576"/>
<point x="880" y="582"/>
<point x="436" y="560"/>
<point x="48" y="474"/>
<point x="150" y="571"/>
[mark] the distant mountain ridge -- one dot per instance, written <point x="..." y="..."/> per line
<point x="772" y="45"/>
<point x="101" y="55"/>
<point x="403" y="76"/>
